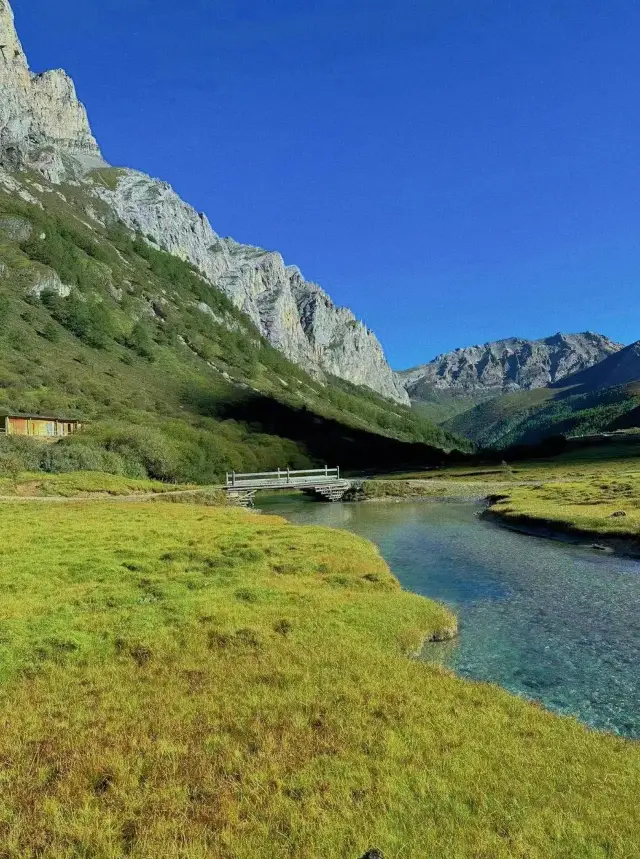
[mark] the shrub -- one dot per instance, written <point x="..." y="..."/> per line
<point x="62" y="458"/>
<point x="140" y="341"/>
<point x="89" y="320"/>
<point x="10" y="466"/>
<point x="25" y="451"/>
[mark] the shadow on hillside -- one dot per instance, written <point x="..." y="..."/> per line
<point x="326" y="440"/>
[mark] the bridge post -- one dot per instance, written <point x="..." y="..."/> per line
<point x="326" y="471"/>
<point x="338" y="472"/>
<point x="288" y="475"/>
<point x="233" y="478"/>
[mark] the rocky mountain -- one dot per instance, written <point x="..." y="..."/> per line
<point x="620" y="368"/>
<point x="602" y="397"/>
<point x="41" y="120"/>
<point x="44" y="127"/>
<point x="506" y="366"/>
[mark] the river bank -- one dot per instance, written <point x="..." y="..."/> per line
<point x="604" y="512"/>
<point x="424" y="490"/>
<point x="544" y="619"/>
<point x="241" y="687"/>
<point x="565" y="532"/>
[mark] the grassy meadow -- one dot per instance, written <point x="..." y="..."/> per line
<point x="82" y="483"/>
<point x="189" y="681"/>
<point x="600" y="504"/>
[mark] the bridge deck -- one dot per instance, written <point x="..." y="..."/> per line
<point x="317" y="478"/>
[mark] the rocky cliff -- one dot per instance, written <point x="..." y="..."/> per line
<point x="41" y="119"/>
<point x="508" y="365"/>
<point x="43" y="126"/>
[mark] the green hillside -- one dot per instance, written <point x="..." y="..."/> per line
<point x="176" y="382"/>
<point x="442" y="406"/>
<point x="527" y="417"/>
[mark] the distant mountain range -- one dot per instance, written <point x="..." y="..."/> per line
<point x="603" y="397"/>
<point x="504" y="366"/>
<point x="620" y="368"/>
<point x="518" y="391"/>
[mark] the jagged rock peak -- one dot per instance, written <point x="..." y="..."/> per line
<point x="295" y="316"/>
<point x="43" y="125"/>
<point x="509" y="365"/>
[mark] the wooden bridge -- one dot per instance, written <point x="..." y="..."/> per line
<point x="323" y="483"/>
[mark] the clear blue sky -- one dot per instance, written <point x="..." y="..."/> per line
<point x="454" y="171"/>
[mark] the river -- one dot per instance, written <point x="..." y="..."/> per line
<point x="546" y="620"/>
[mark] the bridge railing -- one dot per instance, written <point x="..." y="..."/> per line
<point x="282" y="476"/>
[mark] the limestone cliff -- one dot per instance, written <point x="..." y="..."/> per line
<point x="44" y="126"/>
<point x="41" y="119"/>
<point x="295" y="316"/>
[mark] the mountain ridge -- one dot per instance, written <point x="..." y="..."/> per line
<point x="507" y="365"/>
<point x="599" y="398"/>
<point x="45" y="128"/>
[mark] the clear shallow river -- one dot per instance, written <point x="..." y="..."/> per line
<point x="546" y="620"/>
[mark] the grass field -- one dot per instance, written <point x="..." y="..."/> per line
<point x="78" y="483"/>
<point x="415" y="490"/>
<point x="614" y="458"/>
<point x="186" y="681"/>
<point x="606" y="504"/>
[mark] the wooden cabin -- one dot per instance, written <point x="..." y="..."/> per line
<point x="38" y="426"/>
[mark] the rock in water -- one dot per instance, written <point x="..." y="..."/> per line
<point x="43" y="126"/>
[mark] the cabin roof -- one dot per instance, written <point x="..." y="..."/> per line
<point x="65" y="420"/>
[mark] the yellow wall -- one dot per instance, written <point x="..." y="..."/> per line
<point x="40" y="428"/>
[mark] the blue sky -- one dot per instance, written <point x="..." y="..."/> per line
<point x="454" y="171"/>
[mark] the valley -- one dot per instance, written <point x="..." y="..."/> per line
<point x="397" y="674"/>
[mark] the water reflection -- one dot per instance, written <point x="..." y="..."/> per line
<point x="547" y="620"/>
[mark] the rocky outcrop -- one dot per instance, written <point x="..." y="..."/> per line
<point x="620" y="368"/>
<point x="41" y="119"/>
<point x="508" y="365"/>
<point x="43" y="126"/>
<point x="295" y="316"/>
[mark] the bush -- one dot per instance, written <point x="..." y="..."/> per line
<point x="63" y="458"/>
<point x="10" y="466"/>
<point x="89" y="320"/>
<point x="140" y="341"/>
<point x="25" y="451"/>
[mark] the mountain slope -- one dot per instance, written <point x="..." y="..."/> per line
<point x="600" y="398"/>
<point x="507" y="365"/>
<point x="618" y="369"/>
<point x="177" y="382"/>
<point x="44" y="127"/>
<point x="190" y="354"/>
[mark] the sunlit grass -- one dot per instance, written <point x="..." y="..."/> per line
<point x="575" y="465"/>
<point x="607" y="504"/>
<point x="29" y="484"/>
<point x="182" y="681"/>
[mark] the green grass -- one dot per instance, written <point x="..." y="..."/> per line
<point x="173" y="392"/>
<point x="183" y="681"/>
<point x="412" y="489"/>
<point x="442" y="406"/>
<point x="578" y="462"/>
<point x="583" y="506"/>
<point x="82" y="483"/>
